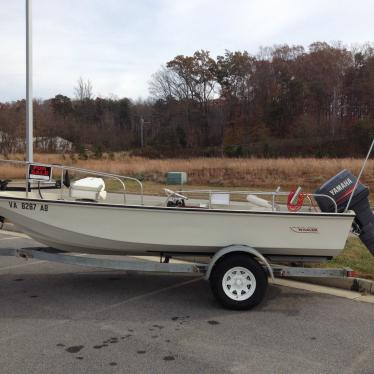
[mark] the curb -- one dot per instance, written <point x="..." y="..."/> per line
<point x="338" y="292"/>
<point x="364" y="286"/>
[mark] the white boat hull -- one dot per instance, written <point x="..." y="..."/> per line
<point x="117" y="229"/>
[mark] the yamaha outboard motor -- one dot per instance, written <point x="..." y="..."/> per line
<point x="340" y="188"/>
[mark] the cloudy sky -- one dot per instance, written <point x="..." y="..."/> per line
<point x="119" y="44"/>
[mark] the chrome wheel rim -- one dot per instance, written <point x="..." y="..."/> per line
<point x="239" y="283"/>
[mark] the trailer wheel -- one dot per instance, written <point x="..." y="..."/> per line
<point x="238" y="282"/>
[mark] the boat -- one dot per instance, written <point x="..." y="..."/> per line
<point x="80" y="216"/>
<point x="240" y="231"/>
<point x="243" y="233"/>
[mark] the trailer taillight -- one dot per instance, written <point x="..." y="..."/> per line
<point x="351" y="274"/>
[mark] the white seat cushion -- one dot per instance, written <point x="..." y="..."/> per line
<point x="88" y="188"/>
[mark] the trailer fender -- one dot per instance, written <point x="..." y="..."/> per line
<point x="239" y="249"/>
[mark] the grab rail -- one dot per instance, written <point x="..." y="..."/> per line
<point x="121" y="179"/>
<point x="273" y="194"/>
<point x="117" y="177"/>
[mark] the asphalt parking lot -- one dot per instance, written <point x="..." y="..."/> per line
<point x="66" y="319"/>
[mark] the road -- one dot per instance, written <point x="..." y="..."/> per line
<point x="65" y="319"/>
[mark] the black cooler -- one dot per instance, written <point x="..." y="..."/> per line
<point x="340" y="188"/>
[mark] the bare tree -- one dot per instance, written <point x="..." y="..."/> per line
<point x="83" y="90"/>
<point x="166" y="84"/>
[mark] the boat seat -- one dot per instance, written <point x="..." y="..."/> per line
<point x="88" y="189"/>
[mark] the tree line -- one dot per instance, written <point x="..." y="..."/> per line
<point x="283" y="101"/>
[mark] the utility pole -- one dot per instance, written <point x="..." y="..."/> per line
<point x="142" y="132"/>
<point x="142" y="123"/>
<point x="29" y="108"/>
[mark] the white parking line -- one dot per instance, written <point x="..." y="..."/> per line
<point x="12" y="238"/>
<point x="15" y="234"/>
<point x="143" y="296"/>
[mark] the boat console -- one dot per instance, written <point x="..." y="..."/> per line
<point x="88" y="189"/>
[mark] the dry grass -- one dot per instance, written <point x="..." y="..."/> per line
<point x="265" y="173"/>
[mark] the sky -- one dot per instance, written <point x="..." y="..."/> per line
<point x="119" y="44"/>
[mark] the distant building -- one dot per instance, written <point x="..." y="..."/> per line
<point x="10" y="144"/>
<point x="55" y="144"/>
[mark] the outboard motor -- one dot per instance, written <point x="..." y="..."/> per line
<point x="340" y="188"/>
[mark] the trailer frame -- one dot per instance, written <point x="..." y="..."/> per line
<point x="139" y="265"/>
<point x="253" y="266"/>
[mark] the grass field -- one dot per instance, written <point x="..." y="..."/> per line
<point x="251" y="173"/>
<point x="355" y="256"/>
<point x="233" y="172"/>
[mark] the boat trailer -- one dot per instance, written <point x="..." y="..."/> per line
<point x="233" y="272"/>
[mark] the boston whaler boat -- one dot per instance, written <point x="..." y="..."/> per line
<point x="239" y="229"/>
<point x="243" y="234"/>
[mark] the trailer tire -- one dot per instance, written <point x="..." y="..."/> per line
<point x="238" y="282"/>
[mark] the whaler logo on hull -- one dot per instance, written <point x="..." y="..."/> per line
<point x="341" y="186"/>
<point x="304" y="230"/>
